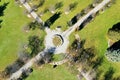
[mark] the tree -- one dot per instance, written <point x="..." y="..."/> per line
<point x="113" y="52"/>
<point x="23" y="56"/>
<point x="41" y="2"/>
<point x="33" y="25"/>
<point x="114" y="32"/>
<point x="58" y="5"/>
<point x="113" y="35"/>
<point x="0" y="23"/>
<point x="12" y="68"/>
<point x="34" y="45"/>
<point x="72" y="5"/>
<point x="2" y="8"/>
<point x="109" y="74"/>
<point x="113" y="55"/>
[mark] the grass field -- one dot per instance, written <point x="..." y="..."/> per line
<point x="95" y="34"/>
<point x="62" y="21"/>
<point x="12" y="34"/>
<point x="47" y="72"/>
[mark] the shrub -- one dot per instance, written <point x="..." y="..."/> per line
<point x="113" y="55"/>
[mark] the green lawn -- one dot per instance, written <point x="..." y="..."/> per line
<point x="95" y="34"/>
<point x="12" y="34"/>
<point x="62" y="21"/>
<point x="47" y="72"/>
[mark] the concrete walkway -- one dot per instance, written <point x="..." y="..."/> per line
<point x="65" y="35"/>
<point x="29" y="64"/>
<point x="96" y="9"/>
<point x="33" y="14"/>
<point x="49" y="41"/>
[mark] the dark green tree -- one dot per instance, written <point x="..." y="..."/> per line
<point x="34" y="45"/>
<point x="113" y="55"/>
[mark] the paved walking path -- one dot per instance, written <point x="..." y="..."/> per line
<point x="28" y="65"/>
<point x="59" y="62"/>
<point x="97" y="8"/>
<point x="34" y="15"/>
<point x="65" y="35"/>
<point x="89" y="75"/>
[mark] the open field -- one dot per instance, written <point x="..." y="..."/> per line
<point x="62" y="21"/>
<point x="95" y="34"/>
<point x="47" y="72"/>
<point x="12" y="34"/>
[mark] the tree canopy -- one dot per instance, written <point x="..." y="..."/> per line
<point x="114" y="32"/>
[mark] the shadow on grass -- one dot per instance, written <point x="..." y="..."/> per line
<point x="115" y="46"/>
<point x="109" y="74"/>
<point x="58" y="5"/>
<point x="2" y="8"/>
<point x="97" y="63"/>
<point x="85" y="22"/>
<point x="116" y="27"/>
<point x="0" y="23"/>
<point x="52" y="19"/>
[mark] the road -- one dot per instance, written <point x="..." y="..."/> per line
<point x="17" y="74"/>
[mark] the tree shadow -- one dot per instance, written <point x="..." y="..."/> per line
<point x="85" y="22"/>
<point x="109" y="74"/>
<point x="41" y="3"/>
<point x="73" y="20"/>
<point x="115" y="46"/>
<point x="46" y="57"/>
<point x="73" y="5"/>
<point x="98" y="74"/>
<point x="115" y="27"/>
<point x="0" y="23"/>
<point x="97" y="63"/>
<point x="116" y="78"/>
<point x="12" y="68"/>
<point x="25" y="73"/>
<point x="58" y="5"/>
<point x="2" y="8"/>
<point x="76" y="42"/>
<point x="52" y="19"/>
<point x="35" y="44"/>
